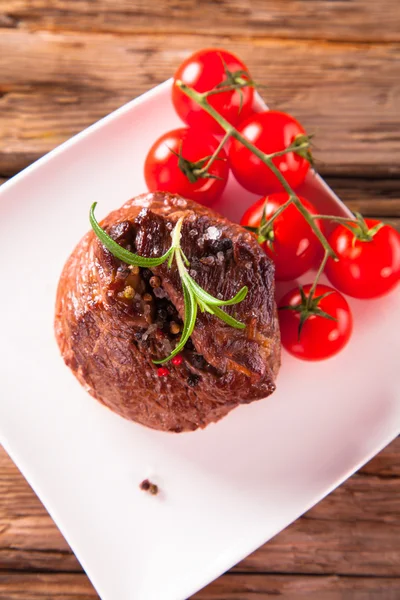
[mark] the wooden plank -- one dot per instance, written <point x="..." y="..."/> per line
<point x="313" y="544"/>
<point x="35" y="586"/>
<point x="358" y="20"/>
<point x="54" y="85"/>
<point x="263" y="587"/>
<point x="386" y="463"/>
<point x="371" y="197"/>
<point x="28" y="586"/>
<point x="317" y="546"/>
<point x="355" y="530"/>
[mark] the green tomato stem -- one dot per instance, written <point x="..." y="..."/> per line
<point x="266" y="227"/>
<point x="317" y="277"/>
<point x="318" y="233"/>
<point x="294" y="149"/>
<point x="333" y="218"/>
<point x="267" y="159"/>
<point x="227" y="88"/>
<point x="213" y="157"/>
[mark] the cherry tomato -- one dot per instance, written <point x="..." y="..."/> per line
<point x="204" y="71"/>
<point x="270" y="131"/>
<point x="365" y="269"/>
<point x="290" y="241"/>
<point x="162" y="171"/>
<point x="320" y="337"/>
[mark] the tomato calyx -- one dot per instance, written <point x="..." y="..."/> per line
<point x="309" y="306"/>
<point x="238" y="78"/>
<point x="359" y="228"/>
<point x="264" y="232"/>
<point x="195" y="170"/>
<point x="235" y="80"/>
<point x="301" y="145"/>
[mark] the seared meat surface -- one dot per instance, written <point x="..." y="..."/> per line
<point x="112" y="320"/>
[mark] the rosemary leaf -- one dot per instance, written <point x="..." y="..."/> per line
<point x="119" y="252"/>
<point x="189" y="323"/>
<point x="208" y="299"/>
<point x="228" y="319"/>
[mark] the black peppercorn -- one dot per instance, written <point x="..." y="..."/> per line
<point x="193" y="380"/>
<point x="226" y="244"/>
<point x="189" y="344"/>
<point x="220" y="245"/>
<point x="198" y="361"/>
<point x="146" y="274"/>
<point x="162" y="314"/>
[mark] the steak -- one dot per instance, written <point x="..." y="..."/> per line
<point x="112" y="320"/>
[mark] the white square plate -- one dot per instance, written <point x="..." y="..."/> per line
<point x="225" y="490"/>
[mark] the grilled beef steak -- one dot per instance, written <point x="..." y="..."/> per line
<point x="112" y="320"/>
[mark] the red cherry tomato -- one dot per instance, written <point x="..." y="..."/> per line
<point x="290" y="242"/>
<point x="320" y="337"/>
<point x="365" y="269"/>
<point x="204" y="71"/>
<point x="270" y="131"/>
<point x="162" y="171"/>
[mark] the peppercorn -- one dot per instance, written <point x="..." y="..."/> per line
<point x="193" y="380"/>
<point x="198" y="361"/>
<point x="155" y="281"/>
<point x="147" y="486"/>
<point x="189" y="344"/>
<point x="146" y="274"/>
<point x="128" y="292"/>
<point x="162" y="314"/>
<point x="177" y="360"/>
<point x="174" y="327"/>
<point x="162" y="372"/>
<point x="226" y="244"/>
<point x="220" y="245"/>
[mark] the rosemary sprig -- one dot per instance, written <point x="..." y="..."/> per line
<point x="194" y="296"/>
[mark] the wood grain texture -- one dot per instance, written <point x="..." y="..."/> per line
<point x="257" y="587"/>
<point x="30" y="586"/>
<point x="37" y="586"/>
<point x="369" y="196"/>
<point x="53" y="85"/>
<point x="358" y="20"/>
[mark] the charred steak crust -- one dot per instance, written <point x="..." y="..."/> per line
<point x="112" y="320"/>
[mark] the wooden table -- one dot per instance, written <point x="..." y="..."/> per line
<point x="336" y="66"/>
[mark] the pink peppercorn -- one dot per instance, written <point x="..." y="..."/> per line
<point x="177" y="360"/>
<point x="162" y="372"/>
